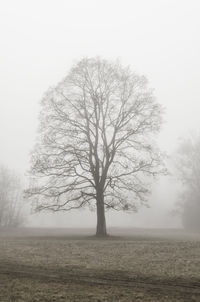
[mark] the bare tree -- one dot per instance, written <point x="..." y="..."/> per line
<point x="11" y="199"/>
<point x="188" y="167"/>
<point x="95" y="141"/>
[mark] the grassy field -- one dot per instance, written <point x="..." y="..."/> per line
<point x="70" y="265"/>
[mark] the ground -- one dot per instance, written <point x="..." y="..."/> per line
<point x="70" y="265"/>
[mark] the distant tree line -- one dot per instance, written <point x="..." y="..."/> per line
<point x="188" y="166"/>
<point x="11" y="198"/>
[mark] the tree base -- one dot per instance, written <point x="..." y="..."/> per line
<point x="101" y="235"/>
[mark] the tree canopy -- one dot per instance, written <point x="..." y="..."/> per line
<point x="95" y="146"/>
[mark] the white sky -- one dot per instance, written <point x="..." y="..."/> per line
<point x="39" y="41"/>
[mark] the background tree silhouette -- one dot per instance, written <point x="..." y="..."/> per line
<point x="11" y="199"/>
<point x="188" y="167"/>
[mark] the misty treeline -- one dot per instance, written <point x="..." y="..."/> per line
<point x="11" y="198"/>
<point x="188" y="168"/>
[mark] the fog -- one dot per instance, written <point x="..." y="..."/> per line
<point x="40" y="40"/>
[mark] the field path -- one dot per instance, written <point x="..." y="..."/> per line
<point x="122" y="280"/>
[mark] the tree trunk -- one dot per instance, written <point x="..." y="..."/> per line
<point x="101" y="220"/>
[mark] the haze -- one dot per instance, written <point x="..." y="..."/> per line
<point x="40" y="40"/>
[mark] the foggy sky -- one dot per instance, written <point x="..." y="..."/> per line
<point x="40" y="40"/>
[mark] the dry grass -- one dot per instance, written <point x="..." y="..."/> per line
<point x="39" y="266"/>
